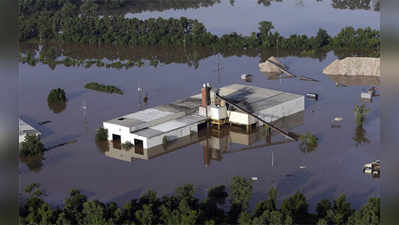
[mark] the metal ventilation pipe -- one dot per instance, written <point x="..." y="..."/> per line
<point x="205" y="93"/>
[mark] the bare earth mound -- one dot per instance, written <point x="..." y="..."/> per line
<point x="268" y="67"/>
<point x="354" y="66"/>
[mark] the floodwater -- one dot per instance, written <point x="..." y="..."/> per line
<point x="288" y="16"/>
<point x="333" y="168"/>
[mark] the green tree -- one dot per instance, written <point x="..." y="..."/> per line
<point x="368" y="214"/>
<point x="240" y="191"/>
<point x="145" y="216"/>
<point x="93" y="213"/>
<point x="296" y="207"/>
<point x="31" y="146"/>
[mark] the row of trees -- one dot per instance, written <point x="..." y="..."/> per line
<point x="185" y="209"/>
<point x="66" y="26"/>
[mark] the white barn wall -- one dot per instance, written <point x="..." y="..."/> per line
<point x="282" y="110"/>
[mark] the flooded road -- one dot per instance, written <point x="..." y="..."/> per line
<point x="333" y="168"/>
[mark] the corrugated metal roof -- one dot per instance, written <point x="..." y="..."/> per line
<point x="25" y="128"/>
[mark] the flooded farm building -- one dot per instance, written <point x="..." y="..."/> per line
<point x="162" y="124"/>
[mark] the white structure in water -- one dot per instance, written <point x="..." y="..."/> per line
<point x="25" y="129"/>
<point x="152" y="127"/>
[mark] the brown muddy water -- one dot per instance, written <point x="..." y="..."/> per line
<point x="334" y="167"/>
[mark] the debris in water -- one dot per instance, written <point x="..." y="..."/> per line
<point x="302" y="167"/>
<point x="271" y="65"/>
<point x="366" y="95"/>
<point x="313" y="95"/>
<point x="254" y="178"/>
<point x="44" y="122"/>
<point x="308" y="79"/>
<point x="338" y="119"/>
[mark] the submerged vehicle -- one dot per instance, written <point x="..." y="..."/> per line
<point x="373" y="168"/>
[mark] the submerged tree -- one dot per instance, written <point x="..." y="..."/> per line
<point x="360" y="136"/>
<point x="31" y="146"/>
<point x="56" y="100"/>
<point x="360" y="114"/>
<point x="308" y="142"/>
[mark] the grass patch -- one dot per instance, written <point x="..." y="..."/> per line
<point x="103" y="88"/>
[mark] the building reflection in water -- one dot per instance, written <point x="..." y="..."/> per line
<point x="214" y="142"/>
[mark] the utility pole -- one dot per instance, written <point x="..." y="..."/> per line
<point x="85" y="121"/>
<point x="219" y="70"/>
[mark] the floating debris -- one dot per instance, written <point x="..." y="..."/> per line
<point x="366" y="96"/>
<point x="302" y="167"/>
<point x="44" y="122"/>
<point x="246" y="77"/>
<point x="254" y="178"/>
<point x="308" y="79"/>
<point x="338" y="119"/>
<point x="313" y="95"/>
<point x="271" y="65"/>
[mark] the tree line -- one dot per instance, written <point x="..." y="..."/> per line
<point x="66" y="23"/>
<point x="221" y="206"/>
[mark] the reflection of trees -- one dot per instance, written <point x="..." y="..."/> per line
<point x="139" y="6"/>
<point x="57" y="107"/>
<point x="34" y="163"/>
<point x="86" y="55"/>
<point x="360" y="136"/>
<point x="103" y="146"/>
<point x="338" y="4"/>
<point x="356" y="4"/>
<point x="267" y="2"/>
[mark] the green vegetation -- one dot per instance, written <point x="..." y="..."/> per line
<point x="308" y="142"/>
<point x="57" y="96"/>
<point x="31" y="146"/>
<point x="360" y="114"/>
<point x="56" y="100"/>
<point x="127" y="145"/>
<point x="183" y="208"/>
<point x="71" y="21"/>
<point x="165" y="140"/>
<point x="101" y="134"/>
<point x="360" y="136"/>
<point x="103" y="88"/>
